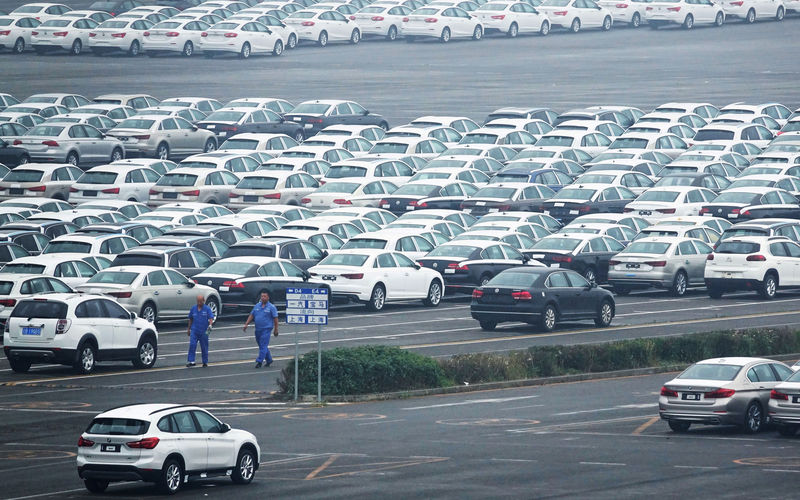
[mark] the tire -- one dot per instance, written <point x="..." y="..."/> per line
<point x="391" y="35"/>
<point x="355" y="37"/>
<point x="575" y="26"/>
<point x="377" y="298"/>
<point x="245" y="468"/>
<point x="488" y="325"/>
<point x="146" y="353"/>
<point x="621" y="290"/>
<point x="607" y="23"/>
<point x="604" y="315"/>
<point x="162" y="151"/>
<point x="24" y="159"/>
<point x="679" y="426"/>
<point x="188" y="49"/>
<point x="545" y="28"/>
<point x="679" y="284"/>
<point x="714" y="292"/>
<point x="19" y="365"/>
<point x="19" y="46"/>
<point x="211" y="145"/>
<point x="116" y="155"/>
<point x="787" y="430"/>
<point x="445" y="36"/>
<point x="753" y="418"/>
<point x="434" y="297"/>
<point x="688" y="23"/>
<point x="76" y="49"/>
<point x="590" y="274"/>
<point x="134" y="49"/>
<point x="636" y="20"/>
<point x="513" y="30"/>
<point x="719" y="20"/>
<point x="768" y="287"/>
<point x="478" y="33"/>
<point x="73" y="159"/>
<point x="278" y="49"/>
<point x="322" y="41"/>
<point x="214" y="306"/>
<point x="291" y="42"/>
<point x="86" y="358"/>
<point x="750" y="18"/>
<point x="548" y="320"/>
<point x="485" y="278"/>
<point x="171" y="478"/>
<point x="244" y="53"/>
<point x="780" y="14"/>
<point x="95" y="486"/>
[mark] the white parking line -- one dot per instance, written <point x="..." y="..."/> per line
<point x="695" y="467"/>
<point x="471" y="402"/>
<point x="597" y="410"/>
<point x="616" y="464"/>
<point x="50" y="494"/>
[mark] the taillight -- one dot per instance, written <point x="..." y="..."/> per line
<point x="305" y="200"/>
<point x="462" y="267"/>
<point x="621" y="6"/>
<point x="307" y="23"/>
<point x="5" y="33"/>
<point x="153" y="191"/>
<point x="17" y="142"/>
<point x="501" y="16"/>
<point x="73" y="190"/>
<point x="405" y="19"/>
<point x="110" y="191"/>
<point x="62" y="326"/>
<point x="778" y="395"/>
<point x="60" y="33"/>
<point x="314" y="120"/>
<point x="342" y="201"/>
<point x="421" y="205"/>
<point x="523" y="295"/>
<point x="37" y="189"/>
<point x="562" y="258"/>
<point x="668" y="393"/>
<point x="452" y="265"/>
<point x="560" y="13"/>
<point x="147" y="33"/>
<point x="121" y="295"/>
<point x="229" y="128"/>
<point x="476" y="294"/>
<point x="736" y="210"/>
<point x="431" y="20"/>
<point x="656" y="263"/>
<point x="613" y="262"/>
<point x="383" y="202"/>
<point x="233" y="284"/>
<point x="118" y="35"/>
<point x="273" y="196"/>
<point x="146" y="443"/>
<point x="377" y="18"/>
<point x="8" y="302"/>
<point x="353" y="276"/>
<point x="233" y="195"/>
<point x="141" y="137"/>
<point x="91" y="35"/>
<point x="50" y="143"/>
<point x="756" y="258"/>
<point x="231" y="35"/>
<point x="173" y="34"/>
<point x="710" y="256"/>
<point x="627" y="210"/>
<point x="705" y="211"/>
<point x="203" y="34"/>
<point x="35" y="33"/>
<point x="84" y="443"/>
<point x="719" y="394"/>
<point x="352" y="18"/>
<point x="194" y="192"/>
<point x="584" y="208"/>
<point x="665" y="210"/>
<point x="674" y="9"/>
<point x="746" y="213"/>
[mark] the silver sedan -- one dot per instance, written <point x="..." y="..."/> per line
<point x="74" y="144"/>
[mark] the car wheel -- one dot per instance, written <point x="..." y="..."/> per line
<point x="488" y="325"/>
<point x="545" y="28"/>
<point x="636" y="20"/>
<point x="210" y="146"/>
<point x="513" y="30"/>
<point x="322" y="41"/>
<point x="377" y="299"/>
<point x="19" y="46"/>
<point x="719" y="20"/>
<point x="604" y="315"/>
<point x="146" y="353"/>
<point x="590" y="274"/>
<point x="445" y="36"/>
<point x="149" y="312"/>
<point x="688" y="23"/>
<point x="278" y="49"/>
<point x="171" y="478"/>
<point x="116" y="155"/>
<point x="478" y="33"/>
<point x="188" y="49"/>
<point x="214" y="306"/>
<point x="787" y="430"/>
<point x="768" y="287"/>
<point x="780" y="14"/>
<point x="72" y="158"/>
<point x="575" y="26"/>
<point x="134" y="49"/>
<point x="753" y="418"/>
<point x="548" y="319"/>
<point x="19" y="365"/>
<point x="679" y="284"/>
<point x="679" y="426"/>
<point x="292" y="41"/>
<point x="85" y="361"/>
<point x="392" y="34"/>
<point x="621" y="290"/>
<point x="714" y="292"/>
<point x="24" y="159"/>
<point x="95" y="486"/>
<point x="750" y="18"/>
<point x="485" y="278"/>
<point x="245" y="52"/>
<point x="245" y="467"/>
<point x="355" y="37"/>
<point x="434" y="297"/>
<point x="607" y="23"/>
<point x="162" y="151"/>
<point x="76" y="48"/>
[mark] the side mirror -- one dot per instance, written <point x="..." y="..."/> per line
<point x="194" y="128"/>
<point x="525" y="259"/>
<point x="306" y="276"/>
<point x="190" y="284"/>
<point x="417" y="266"/>
<point x="324" y="253"/>
<point x="133" y="317"/>
<point x="365" y="112"/>
<point x="224" y="428"/>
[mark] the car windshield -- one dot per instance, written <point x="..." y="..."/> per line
<point x="338" y="187"/>
<point x="742" y="183"/>
<point x="198" y="164"/>
<point x="595" y="179"/>
<point x="136" y="123"/>
<point x="118" y="427"/>
<point x="495" y="192"/>
<point x="648" y="247"/>
<point x="224" y="116"/>
<point x="463" y="251"/>
<point x="98" y="178"/>
<point x="235" y="268"/>
<point x="555" y="140"/>
<point x="338" y="172"/>
<point x="115" y="277"/>
<point x="309" y="108"/>
<point x="344" y="259"/>
<point x="667" y="196"/>
<point x="629" y="143"/>
<point x="23" y="268"/>
<point x="177" y="180"/>
<point x="40" y="309"/>
<point x="611" y="156"/>
<point x="113" y="24"/>
<point x="709" y="371"/>
<point x="365" y="243"/>
<point x="558" y="243"/>
<point x="68" y="247"/>
<point x="389" y="147"/>
<point x="45" y="130"/>
<point x="248" y="144"/>
<point x="714" y="135"/>
<point x="415" y="189"/>
<point x="736" y="197"/>
<point x="494" y="7"/>
<point x="556" y="3"/>
<point x="738" y="247"/>
<point x="22" y="175"/>
<point x="574" y="194"/>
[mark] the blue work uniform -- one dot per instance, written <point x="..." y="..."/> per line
<point x="199" y="331"/>
<point x="264" y="319"/>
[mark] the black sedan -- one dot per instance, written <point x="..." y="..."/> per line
<point x="587" y="254"/>
<point x="11" y="156"/>
<point x="466" y="264"/>
<point x="227" y="122"/>
<point x="428" y="194"/>
<point x="514" y="196"/>
<point x="574" y="201"/>
<point x="316" y="115"/>
<point x="749" y="203"/>
<point x="543" y="296"/>
<point x="302" y="253"/>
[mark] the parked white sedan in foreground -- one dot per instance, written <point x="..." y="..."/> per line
<point x="242" y="38"/>
<point x="512" y="18"/>
<point x="576" y="15"/>
<point x="443" y="23"/>
<point x="686" y="13"/>
<point x="325" y="26"/>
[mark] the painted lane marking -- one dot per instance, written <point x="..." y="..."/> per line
<point x="615" y="464"/>
<point x="645" y="425"/>
<point x="471" y="402"/>
<point x="322" y="467"/>
<point x="597" y="410"/>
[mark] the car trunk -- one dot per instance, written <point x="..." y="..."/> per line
<point x="445" y="265"/>
<point x="36" y="321"/>
<point x="693" y="392"/>
<point x="551" y="258"/>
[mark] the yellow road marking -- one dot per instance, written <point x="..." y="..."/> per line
<point x="645" y="425"/>
<point x="322" y="467"/>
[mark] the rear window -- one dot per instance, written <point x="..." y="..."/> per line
<point x="68" y="247"/>
<point x="235" y="268"/>
<point x="343" y="259"/>
<point x="138" y="260"/>
<point x="20" y="268"/>
<point x="258" y="183"/>
<point x="365" y="243"/>
<point x="738" y="247"/>
<point x="515" y="280"/>
<point x="116" y="277"/>
<point x="40" y="309"/>
<point x="5" y="287"/>
<point x="648" y="247"/>
<point x="667" y="196"/>
<point x="20" y="175"/>
<point x="702" y="371"/>
<point x="714" y="135"/>
<point x="118" y="426"/>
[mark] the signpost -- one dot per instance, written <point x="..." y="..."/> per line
<point x="307" y="306"/>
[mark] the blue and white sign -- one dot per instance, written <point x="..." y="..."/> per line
<point x="307" y="306"/>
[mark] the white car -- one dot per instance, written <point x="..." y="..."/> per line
<point x="751" y="10"/>
<point x="636" y="182"/>
<point x="321" y="27"/>
<point x="174" y="36"/>
<point x="204" y="185"/>
<point x="669" y="144"/>
<point x="357" y="192"/>
<point x="40" y="11"/>
<point x="630" y="12"/>
<point x="15" y="287"/>
<point x="15" y="33"/>
<point x="240" y="37"/>
<point x="382" y="20"/>
<point x="166" y="444"/>
<point x="593" y="143"/>
<point x="662" y="202"/>
<point x="443" y="23"/>
<point x="728" y="134"/>
<point x="576" y="15"/>
<point x="265" y="187"/>
<point x="287" y="33"/>
<point x="126" y="182"/>
<point x="685" y="13"/>
<point x="62" y="34"/>
<point x="407" y="241"/>
<point x="377" y="276"/>
<point x="119" y="35"/>
<point x="512" y="18"/>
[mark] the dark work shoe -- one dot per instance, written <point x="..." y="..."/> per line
<point x="205" y="365"/>
<point x="189" y="365"/>
<point x="268" y="363"/>
<point x="258" y="364"/>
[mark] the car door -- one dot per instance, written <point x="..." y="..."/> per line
<point x="415" y="281"/>
<point x="126" y="333"/>
<point x="192" y="443"/>
<point x="340" y="26"/>
<point x="91" y="315"/>
<point x="763" y="379"/>
<point x="582" y="296"/>
<point x="182" y="289"/>
<point x="163" y="293"/>
<point x="689" y="259"/>
<point x="391" y="276"/>
<point x="221" y="446"/>
<point x="703" y="251"/>
<point x="560" y="288"/>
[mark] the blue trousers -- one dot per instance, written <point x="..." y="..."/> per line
<point x="194" y="338"/>
<point x="262" y="339"/>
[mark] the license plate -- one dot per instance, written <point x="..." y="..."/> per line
<point x="449" y="271"/>
<point x="212" y="127"/>
<point x="170" y="195"/>
<point x="555" y="264"/>
<point x="110" y="448"/>
<point x="15" y="190"/>
<point x="31" y="330"/>
<point x="691" y="397"/>
<point x="223" y="289"/>
<point x="468" y="210"/>
<point x="90" y="193"/>
<point x="795" y="399"/>
<point x="409" y="207"/>
<point x="480" y="203"/>
<point x="629" y="266"/>
<point x="308" y="125"/>
<point x="573" y="212"/>
<point x="250" y="199"/>
<point x="297" y="118"/>
<point x="124" y="139"/>
<point x="558" y="204"/>
<point x="329" y="278"/>
<point x="733" y="216"/>
<point x="645" y="212"/>
<point x="385" y="205"/>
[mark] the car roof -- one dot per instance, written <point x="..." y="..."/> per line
<point x="739" y="361"/>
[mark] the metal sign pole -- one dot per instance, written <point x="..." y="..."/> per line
<point x="296" y="362"/>
<point x="307" y="306"/>
<point x="319" y="363"/>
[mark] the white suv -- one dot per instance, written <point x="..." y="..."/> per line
<point x="166" y="444"/>
<point x="760" y="263"/>
<point x="77" y="330"/>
